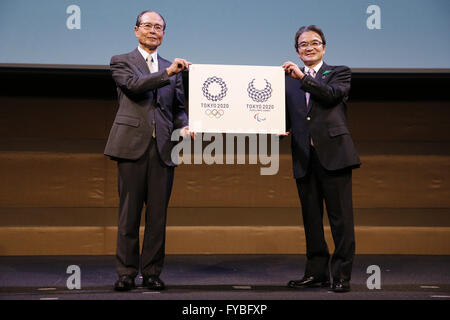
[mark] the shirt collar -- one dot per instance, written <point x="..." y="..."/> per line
<point x="145" y="54"/>
<point x="316" y="68"/>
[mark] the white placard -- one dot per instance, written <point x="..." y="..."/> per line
<point x="236" y="99"/>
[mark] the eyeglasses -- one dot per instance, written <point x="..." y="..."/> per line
<point x="149" y="26"/>
<point x="314" y="44"/>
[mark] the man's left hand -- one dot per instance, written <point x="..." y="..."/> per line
<point x="185" y="132"/>
<point x="177" y="66"/>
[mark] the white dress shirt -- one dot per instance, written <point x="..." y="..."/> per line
<point x="316" y="68"/>
<point x="153" y="56"/>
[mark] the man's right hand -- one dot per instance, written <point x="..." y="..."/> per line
<point x="177" y="66"/>
<point x="293" y="70"/>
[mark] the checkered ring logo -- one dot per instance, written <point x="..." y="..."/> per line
<point x="216" y="97"/>
<point x="258" y="95"/>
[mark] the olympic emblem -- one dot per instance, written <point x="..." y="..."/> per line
<point x="213" y="113"/>
<point x="259" y="95"/>
<point x="212" y="97"/>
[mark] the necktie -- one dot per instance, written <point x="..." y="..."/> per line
<point x="312" y="73"/>
<point x="150" y="67"/>
<point x="149" y="63"/>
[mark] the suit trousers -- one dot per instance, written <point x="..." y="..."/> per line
<point x="144" y="181"/>
<point x="335" y="188"/>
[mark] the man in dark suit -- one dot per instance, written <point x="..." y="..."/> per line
<point x="323" y="156"/>
<point x="151" y="106"/>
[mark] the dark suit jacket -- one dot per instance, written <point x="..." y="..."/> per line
<point x="136" y="88"/>
<point x="325" y="120"/>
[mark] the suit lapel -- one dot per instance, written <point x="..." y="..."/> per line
<point x="162" y="65"/>
<point x="320" y="75"/>
<point x="139" y="61"/>
<point x="320" y="78"/>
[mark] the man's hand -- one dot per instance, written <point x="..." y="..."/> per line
<point x="293" y="70"/>
<point x="185" y="132"/>
<point x="284" y="134"/>
<point x="177" y="66"/>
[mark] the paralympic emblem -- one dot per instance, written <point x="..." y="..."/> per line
<point x="216" y="97"/>
<point x="258" y="95"/>
<point x="213" y="113"/>
<point x="259" y="118"/>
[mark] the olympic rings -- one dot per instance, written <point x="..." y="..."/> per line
<point x="213" y="113"/>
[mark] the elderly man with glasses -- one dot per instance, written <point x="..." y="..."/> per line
<point x="151" y="107"/>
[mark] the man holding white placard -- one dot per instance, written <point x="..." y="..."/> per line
<point x="323" y="157"/>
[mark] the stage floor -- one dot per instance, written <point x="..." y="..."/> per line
<point x="223" y="277"/>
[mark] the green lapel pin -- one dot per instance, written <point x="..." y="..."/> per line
<point x="325" y="73"/>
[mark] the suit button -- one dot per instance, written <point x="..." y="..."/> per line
<point x="308" y="118"/>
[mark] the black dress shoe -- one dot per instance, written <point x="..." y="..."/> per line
<point x="153" y="283"/>
<point x="341" y="286"/>
<point x="125" y="283"/>
<point x="309" y="282"/>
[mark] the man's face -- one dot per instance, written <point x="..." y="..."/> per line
<point x="147" y="33"/>
<point x="310" y="48"/>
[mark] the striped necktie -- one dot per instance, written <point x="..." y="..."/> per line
<point x="312" y="73"/>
